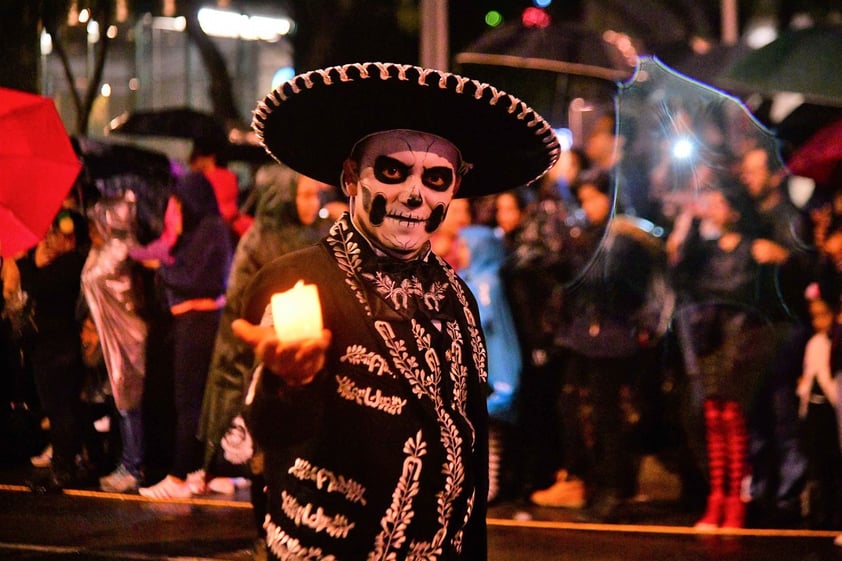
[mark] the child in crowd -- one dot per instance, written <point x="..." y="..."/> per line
<point x="817" y="398"/>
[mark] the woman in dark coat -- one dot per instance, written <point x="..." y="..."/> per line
<point x="194" y="287"/>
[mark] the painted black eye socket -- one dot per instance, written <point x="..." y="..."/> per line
<point x="438" y="179"/>
<point x="389" y="170"/>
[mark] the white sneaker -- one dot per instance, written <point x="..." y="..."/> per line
<point x="197" y="483"/>
<point x="222" y="485"/>
<point x="119" y="481"/>
<point x="45" y="459"/>
<point x="169" y="487"/>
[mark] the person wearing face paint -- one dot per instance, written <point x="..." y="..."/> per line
<point x="375" y="434"/>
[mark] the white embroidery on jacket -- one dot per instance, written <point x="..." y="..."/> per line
<point x="477" y="347"/>
<point x="287" y="548"/>
<point x="347" y="255"/>
<point x="357" y="355"/>
<point x="369" y="397"/>
<point x="457" y="539"/>
<point x="458" y="370"/>
<point x="427" y="384"/>
<point x="399" y="514"/>
<point x="399" y="292"/>
<point x="313" y="517"/>
<point x="436" y="294"/>
<point x="325" y="479"/>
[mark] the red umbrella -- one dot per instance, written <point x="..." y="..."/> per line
<point x="37" y="168"/>
<point x="820" y="155"/>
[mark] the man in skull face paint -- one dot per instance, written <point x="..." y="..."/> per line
<point x="400" y="184"/>
<point x="375" y="434"/>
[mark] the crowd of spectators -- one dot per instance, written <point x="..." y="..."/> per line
<point x="630" y="308"/>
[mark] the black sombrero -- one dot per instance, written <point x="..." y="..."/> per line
<point x="311" y="122"/>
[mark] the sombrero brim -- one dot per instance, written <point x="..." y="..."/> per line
<point x="311" y="122"/>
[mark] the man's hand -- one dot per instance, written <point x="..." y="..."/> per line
<point x="297" y="363"/>
<point x="767" y="252"/>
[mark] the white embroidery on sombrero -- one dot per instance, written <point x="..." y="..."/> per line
<point x="496" y="95"/>
<point x="402" y="68"/>
<point x="384" y="69"/>
<point x="325" y="74"/>
<point x="460" y="83"/>
<point x="513" y="104"/>
<point x="279" y="93"/>
<point x="422" y="79"/>
<point x="343" y="73"/>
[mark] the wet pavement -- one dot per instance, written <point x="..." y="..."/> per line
<point x="81" y="524"/>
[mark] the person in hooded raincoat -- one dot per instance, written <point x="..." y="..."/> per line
<point x="112" y="299"/>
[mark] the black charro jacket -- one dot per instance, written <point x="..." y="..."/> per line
<point x="384" y="454"/>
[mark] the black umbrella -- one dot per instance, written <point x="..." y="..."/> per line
<point x="110" y="169"/>
<point x="179" y="122"/>
<point x="547" y="65"/>
<point x="105" y="159"/>
<point x="804" y="61"/>
<point x="705" y="65"/>
<point x="204" y="129"/>
<point x="565" y="47"/>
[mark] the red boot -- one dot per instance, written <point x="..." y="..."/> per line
<point x="735" y="513"/>
<point x="717" y="466"/>
<point x="736" y="438"/>
<point x="713" y="513"/>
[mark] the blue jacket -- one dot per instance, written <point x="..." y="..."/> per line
<point x="482" y="276"/>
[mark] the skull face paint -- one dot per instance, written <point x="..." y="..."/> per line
<point x="401" y="183"/>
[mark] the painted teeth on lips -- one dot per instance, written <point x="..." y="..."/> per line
<point x="409" y="219"/>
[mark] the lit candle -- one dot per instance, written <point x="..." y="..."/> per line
<point x="297" y="313"/>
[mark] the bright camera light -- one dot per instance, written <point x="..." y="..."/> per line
<point x="682" y="149"/>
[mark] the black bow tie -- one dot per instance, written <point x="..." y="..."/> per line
<point x="400" y="269"/>
<point x="409" y="287"/>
